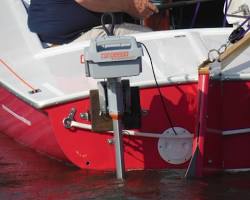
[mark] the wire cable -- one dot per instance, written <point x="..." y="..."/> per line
<point x="159" y="90"/>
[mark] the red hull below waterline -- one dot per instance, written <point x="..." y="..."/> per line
<point x="227" y="135"/>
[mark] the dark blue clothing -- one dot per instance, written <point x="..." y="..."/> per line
<point x="60" y="21"/>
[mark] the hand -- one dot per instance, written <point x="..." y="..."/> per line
<point x="140" y="8"/>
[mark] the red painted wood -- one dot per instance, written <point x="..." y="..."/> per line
<point x="208" y="141"/>
<point x="214" y="139"/>
<point x="236" y="115"/>
<point x="201" y="123"/>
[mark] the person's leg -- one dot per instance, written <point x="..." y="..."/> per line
<point x="120" y="29"/>
<point x="127" y="28"/>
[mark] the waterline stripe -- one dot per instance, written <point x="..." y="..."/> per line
<point x="22" y="119"/>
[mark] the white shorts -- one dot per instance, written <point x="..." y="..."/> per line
<point x="120" y="29"/>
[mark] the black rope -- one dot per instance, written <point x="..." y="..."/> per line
<point x="239" y="32"/>
<point x="236" y="35"/>
<point x="109" y="31"/>
<point x="159" y="90"/>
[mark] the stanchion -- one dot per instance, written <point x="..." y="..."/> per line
<point x="114" y="90"/>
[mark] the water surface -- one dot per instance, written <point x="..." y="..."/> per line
<point x="25" y="174"/>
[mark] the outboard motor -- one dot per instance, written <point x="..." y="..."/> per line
<point x="111" y="58"/>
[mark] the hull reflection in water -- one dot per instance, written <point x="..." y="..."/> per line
<point x="24" y="174"/>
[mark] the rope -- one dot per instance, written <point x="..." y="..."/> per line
<point x="109" y="31"/>
<point x="227" y="4"/>
<point x="33" y="90"/>
<point x="197" y="8"/>
<point x="239" y="32"/>
<point x="159" y="91"/>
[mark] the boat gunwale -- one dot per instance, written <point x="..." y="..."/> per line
<point x="85" y="95"/>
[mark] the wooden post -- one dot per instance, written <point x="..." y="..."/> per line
<point x="234" y="51"/>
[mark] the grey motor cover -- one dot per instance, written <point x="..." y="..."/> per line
<point x="113" y="57"/>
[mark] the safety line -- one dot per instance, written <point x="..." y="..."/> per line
<point x="17" y="76"/>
